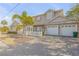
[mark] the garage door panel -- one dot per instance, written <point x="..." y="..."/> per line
<point x="67" y="31"/>
<point x="52" y="31"/>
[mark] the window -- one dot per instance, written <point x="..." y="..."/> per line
<point x="66" y="26"/>
<point x="70" y="25"/>
<point x="49" y="15"/>
<point x="73" y="25"/>
<point x="62" y="26"/>
<point x="31" y="29"/>
<point x="34" y="29"/>
<point x="53" y="26"/>
<point x="28" y="28"/>
<point x="38" y="18"/>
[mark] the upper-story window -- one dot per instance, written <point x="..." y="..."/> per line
<point x="38" y="18"/>
<point x="50" y="14"/>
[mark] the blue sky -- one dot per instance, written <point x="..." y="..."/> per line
<point x="31" y="8"/>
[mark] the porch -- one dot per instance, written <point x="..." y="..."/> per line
<point x="35" y="30"/>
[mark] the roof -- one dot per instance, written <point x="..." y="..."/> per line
<point x="62" y="20"/>
<point x="57" y="19"/>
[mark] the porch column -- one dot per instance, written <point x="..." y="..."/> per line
<point x="43" y="30"/>
<point x="59" y="30"/>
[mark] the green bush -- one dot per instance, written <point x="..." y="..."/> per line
<point x="12" y="32"/>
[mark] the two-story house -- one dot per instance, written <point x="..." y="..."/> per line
<point x="53" y="22"/>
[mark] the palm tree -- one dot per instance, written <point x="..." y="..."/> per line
<point x="24" y="19"/>
<point x="18" y="27"/>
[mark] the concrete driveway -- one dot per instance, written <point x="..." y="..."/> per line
<point x="45" y="46"/>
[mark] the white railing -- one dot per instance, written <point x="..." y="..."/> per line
<point x="35" y="33"/>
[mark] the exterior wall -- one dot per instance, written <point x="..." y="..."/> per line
<point x="50" y="14"/>
<point x="61" y="30"/>
<point x="43" y="18"/>
<point x="38" y="29"/>
<point x="68" y="29"/>
<point x="40" y="19"/>
<point x="28" y="30"/>
<point x="57" y="28"/>
<point x="46" y="17"/>
<point x="34" y="31"/>
<point x="52" y="30"/>
<point x="78" y="29"/>
<point x="58" y="20"/>
<point x="59" y="12"/>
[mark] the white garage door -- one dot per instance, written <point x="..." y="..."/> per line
<point x="67" y="30"/>
<point x="52" y="31"/>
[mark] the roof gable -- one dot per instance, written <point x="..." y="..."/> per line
<point x="58" y="20"/>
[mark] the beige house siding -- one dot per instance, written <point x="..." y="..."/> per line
<point x="47" y="16"/>
<point x="78" y="29"/>
<point x="58" y="27"/>
<point x="39" y="20"/>
<point x="55" y="19"/>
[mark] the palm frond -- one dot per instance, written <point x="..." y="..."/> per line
<point x="24" y="14"/>
<point x="16" y="16"/>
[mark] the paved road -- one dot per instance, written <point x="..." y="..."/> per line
<point x="27" y="49"/>
<point x="38" y="49"/>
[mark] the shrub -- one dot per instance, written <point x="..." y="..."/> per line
<point x="12" y="32"/>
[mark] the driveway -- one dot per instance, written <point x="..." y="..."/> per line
<point x="45" y="46"/>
